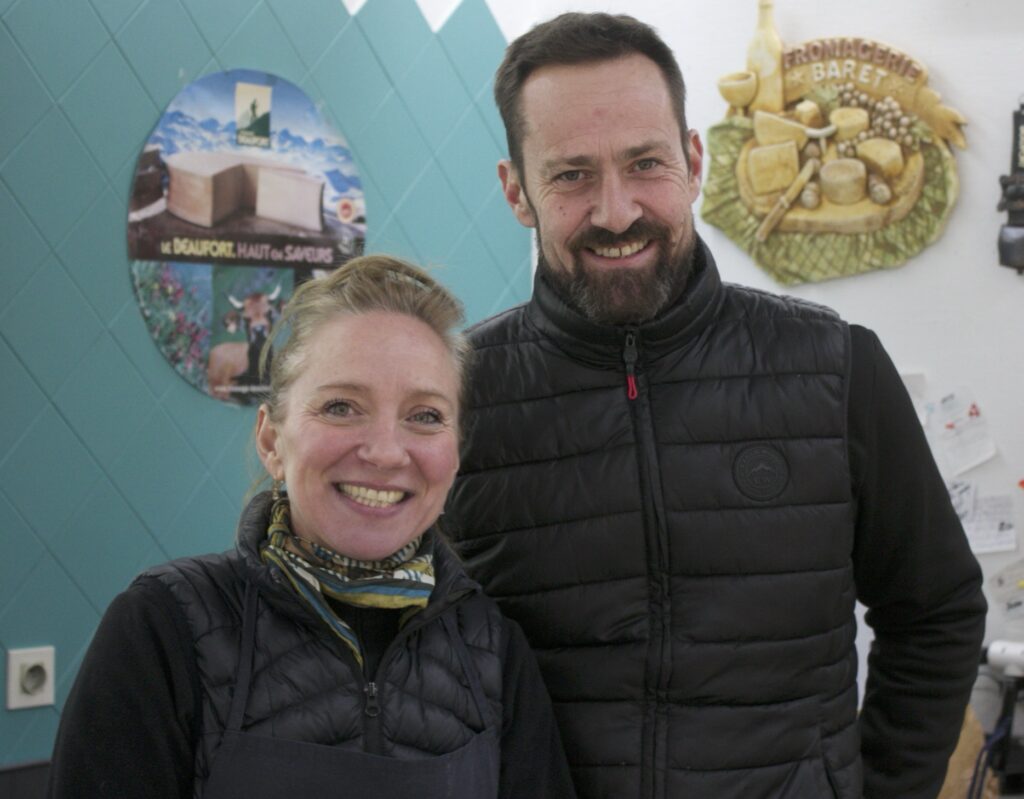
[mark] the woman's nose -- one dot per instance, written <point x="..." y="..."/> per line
<point x="383" y="447"/>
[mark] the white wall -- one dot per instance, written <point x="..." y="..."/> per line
<point x="951" y="312"/>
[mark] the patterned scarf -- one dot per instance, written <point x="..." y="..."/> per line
<point x="403" y="580"/>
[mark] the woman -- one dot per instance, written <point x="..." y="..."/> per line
<point x="339" y="650"/>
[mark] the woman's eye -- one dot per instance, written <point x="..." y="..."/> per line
<point x="337" y="408"/>
<point x="427" y="417"/>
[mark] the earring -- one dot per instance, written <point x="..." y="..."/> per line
<point x="275" y="490"/>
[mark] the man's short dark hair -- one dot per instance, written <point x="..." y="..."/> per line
<point x="577" y="38"/>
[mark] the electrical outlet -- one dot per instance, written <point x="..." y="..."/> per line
<point x="30" y="677"/>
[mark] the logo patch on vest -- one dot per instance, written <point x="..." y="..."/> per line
<point x="760" y="472"/>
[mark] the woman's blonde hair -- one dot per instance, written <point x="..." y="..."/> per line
<point x="362" y="285"/>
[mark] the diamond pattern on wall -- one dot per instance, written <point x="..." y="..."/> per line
<point x="108" y="460"/>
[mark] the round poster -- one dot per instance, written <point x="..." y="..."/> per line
<point x="242" y="191"/>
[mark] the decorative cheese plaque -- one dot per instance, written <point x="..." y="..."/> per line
<point x="833" y="158"/>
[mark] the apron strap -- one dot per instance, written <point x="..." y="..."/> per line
<point x="470" y="669"/>
<point x="247" y="648"/>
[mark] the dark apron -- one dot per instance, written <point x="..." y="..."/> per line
<point x="254" y="766"/>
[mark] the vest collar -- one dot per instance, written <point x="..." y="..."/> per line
<point x="598" y="343"/>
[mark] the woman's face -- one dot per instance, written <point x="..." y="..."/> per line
<point x="368" y="441"/>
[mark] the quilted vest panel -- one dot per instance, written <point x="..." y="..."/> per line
<point x="306" y="686"/>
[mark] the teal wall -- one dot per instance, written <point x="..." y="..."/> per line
<point x="109" y="461"/>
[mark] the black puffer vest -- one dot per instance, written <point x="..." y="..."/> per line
<point x="667" y="512"/>
<point x="306" y="686"/>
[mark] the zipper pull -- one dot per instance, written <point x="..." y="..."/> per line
<point x="629" y="355"/>
<point x="372" y="706"/>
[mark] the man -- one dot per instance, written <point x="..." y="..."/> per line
<point x="679" y="488"/>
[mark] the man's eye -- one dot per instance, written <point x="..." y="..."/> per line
<point x="427" y="417"/>
<point x="646" y="164"/>
<point x="570" y="176"/>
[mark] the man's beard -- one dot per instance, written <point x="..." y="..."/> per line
<point x="620" y="296"/>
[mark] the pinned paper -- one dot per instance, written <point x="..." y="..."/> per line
<point x="990" y="528"/>
<point x="1008" y="589"/>
<point x="963" y="495"/>
<point x="915" y="384"/>
<point x="959" y="433"/>
<point x="987" y="521"/>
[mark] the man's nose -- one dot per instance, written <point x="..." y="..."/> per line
<point x="384" y="446"/>
<point x="615" y="207"/>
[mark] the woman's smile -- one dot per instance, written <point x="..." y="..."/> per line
<point x="372" y="497"/>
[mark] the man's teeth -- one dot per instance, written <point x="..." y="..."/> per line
<point x="620" y="252"/>
<point x="371" y="497"/>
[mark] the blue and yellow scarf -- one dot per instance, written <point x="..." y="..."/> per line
<point x="403" y="580"/>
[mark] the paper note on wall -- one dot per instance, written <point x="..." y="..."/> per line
<point x="964" y="495"/>
<point x="916" y="385"/>
<point x="1008" y="589"/>
<point x="988" y="521"/>
<point x="990" y="528"/>
<point x="959" y="434"/>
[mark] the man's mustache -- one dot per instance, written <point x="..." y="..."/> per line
<point x="640" y="230"/>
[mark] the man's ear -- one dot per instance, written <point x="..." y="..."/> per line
<point x="696" y="151"/>
<point x="515" y="195"/>
<point x="267" y="445"/>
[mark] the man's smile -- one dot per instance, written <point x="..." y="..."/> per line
<point x="621" y="251"/>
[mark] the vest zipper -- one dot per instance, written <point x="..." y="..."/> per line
<point x="373" y="737"/>
<point x="372" y="708"/>
<point x="629" y="355"/>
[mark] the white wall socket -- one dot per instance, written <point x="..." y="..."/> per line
<point x="30" y="677"/>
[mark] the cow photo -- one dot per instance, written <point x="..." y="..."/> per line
<point x="247" y="301"/>
<point x="211" y="321"/>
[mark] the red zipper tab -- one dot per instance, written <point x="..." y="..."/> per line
<point x="629" y="355"/>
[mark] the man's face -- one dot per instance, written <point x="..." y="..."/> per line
<point x="606" y="183"/>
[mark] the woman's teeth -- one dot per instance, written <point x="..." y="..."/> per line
<point x="371" y="497"/>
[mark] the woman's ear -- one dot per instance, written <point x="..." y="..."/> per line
<point x="267" y="445"/>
